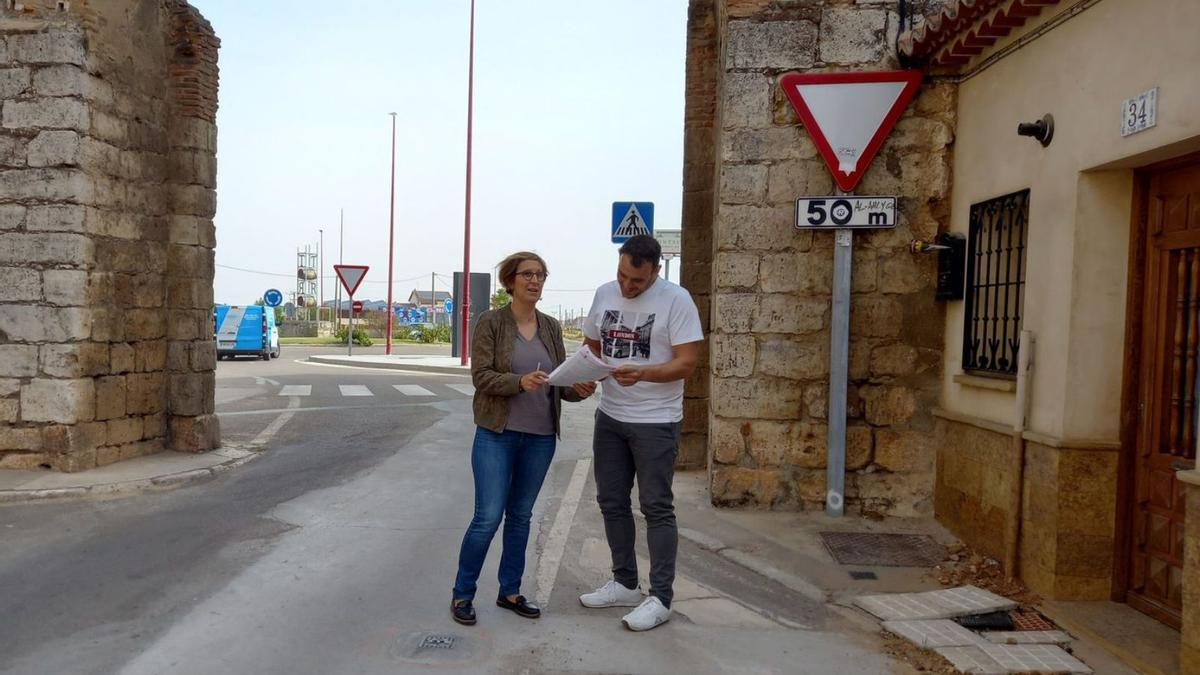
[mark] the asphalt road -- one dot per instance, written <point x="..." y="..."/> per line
<point x="335" y="553"/>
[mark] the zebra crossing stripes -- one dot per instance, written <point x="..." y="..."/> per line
<point x="362" y="390"/>
<point x="413" y="390"/>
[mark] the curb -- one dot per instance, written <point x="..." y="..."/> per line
<point x="757" y="565"/>
<point x="127" y="488"/>
<point x="347" y="361"/>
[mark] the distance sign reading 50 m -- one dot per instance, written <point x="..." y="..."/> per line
<point x="845" y="212"/>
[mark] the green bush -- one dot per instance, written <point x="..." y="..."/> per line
<point x="360" y="336"/>
<point x="430" y="334"/>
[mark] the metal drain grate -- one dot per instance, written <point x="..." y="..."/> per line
<point x="1031" y="621"/>
<point x="437" y="642"/>
<point x="883" y="549"/>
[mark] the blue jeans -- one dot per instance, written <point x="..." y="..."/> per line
<point x="509" y="468"/>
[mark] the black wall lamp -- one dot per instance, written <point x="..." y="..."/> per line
<point x="1043" y="129"/>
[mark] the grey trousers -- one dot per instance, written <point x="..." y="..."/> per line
<point x="623" y="452"/>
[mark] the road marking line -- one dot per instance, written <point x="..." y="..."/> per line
<point x="265" y="380"/>
<point x="466" y="389"/>
<point x="296" y="390"/>
<point x="276" y="424"/>
<point x="413" y="390"/>
<point x="355" y="390"/>
<point x="327" y="408"/>
<point x="556" y="541"/>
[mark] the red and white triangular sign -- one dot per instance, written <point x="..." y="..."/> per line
<point x="351" y="276"/>
<point x="850" y="114"/>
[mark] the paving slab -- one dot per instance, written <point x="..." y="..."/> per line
<point x="972" y="660"/>
<point x="1028" y="637"/>
<point x="1035" y="659"/>
<point x="934" y="633"/>
<point x="944" y="604"/>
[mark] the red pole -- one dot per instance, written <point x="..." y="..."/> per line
<point x="464" y="344"/>
<point x="391" y="238"/>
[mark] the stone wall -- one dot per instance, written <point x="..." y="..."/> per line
<point x="699" y="192"/>
<point x="107" y="193"/>
<point x="769" y="333"/>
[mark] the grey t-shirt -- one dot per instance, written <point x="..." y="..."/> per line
<point x="531" y="412"/>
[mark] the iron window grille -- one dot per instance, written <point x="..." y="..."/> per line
<point x="995" y="284"/>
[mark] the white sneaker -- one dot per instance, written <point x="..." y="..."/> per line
<point x="612" y="594"/>
<point x="649" y="614"/>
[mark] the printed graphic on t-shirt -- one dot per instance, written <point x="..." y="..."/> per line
<point x="626" y="334"/>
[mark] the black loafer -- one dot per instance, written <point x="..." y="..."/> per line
<point x="521" y="606"/>
<point x="462" y="612"/>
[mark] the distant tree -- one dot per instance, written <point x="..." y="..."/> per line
<point x="500" y="298"/>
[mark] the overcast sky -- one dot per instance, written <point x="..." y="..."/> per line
<point x="577" y="104"/>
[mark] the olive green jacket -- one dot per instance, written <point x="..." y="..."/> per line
<point x="492" y="347"/>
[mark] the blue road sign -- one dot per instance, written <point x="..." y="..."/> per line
<point x="273" y="297"/>
<point x="631" y="218"/>
<point x="449" y="305"/>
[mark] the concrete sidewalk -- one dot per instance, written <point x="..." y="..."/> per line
<point x="163" y="471"/>
<point x="787" y="548"/>
<point x="417" y="362"/>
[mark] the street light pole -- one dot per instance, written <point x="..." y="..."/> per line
<point x="321" y="279"/>
<point x="391" y="238"/>
<point x="464" y="345"/>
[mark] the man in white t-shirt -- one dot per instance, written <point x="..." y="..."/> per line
<point x="649" y="328"/>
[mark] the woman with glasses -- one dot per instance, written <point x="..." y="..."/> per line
<point x="517" y="424"/>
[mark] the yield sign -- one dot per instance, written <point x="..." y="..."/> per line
<point x="849" y="114"/>
<point x="351" y="276"/>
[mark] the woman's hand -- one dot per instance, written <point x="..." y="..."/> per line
<point x="534" y="381"/>
<point x="584" y="389"/>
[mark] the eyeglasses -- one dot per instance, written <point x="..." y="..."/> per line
<point x="530" y="276"/>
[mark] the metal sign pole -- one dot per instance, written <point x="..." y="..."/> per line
<point x="350" y="330"/>
<point x="839" y="372"/>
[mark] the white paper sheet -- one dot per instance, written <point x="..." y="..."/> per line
<point x="582" y="366"/>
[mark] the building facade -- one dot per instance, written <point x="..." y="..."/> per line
<point x="1048" y="413"/>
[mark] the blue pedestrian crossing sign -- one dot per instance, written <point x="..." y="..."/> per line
<point x="630" y="219"/>
<point x="273" y="298"/>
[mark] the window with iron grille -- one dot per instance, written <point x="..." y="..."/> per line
<point x="995" y="284"/>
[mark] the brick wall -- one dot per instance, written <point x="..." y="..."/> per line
<point x="770" y="284"/>
<point x="106" y="201"/>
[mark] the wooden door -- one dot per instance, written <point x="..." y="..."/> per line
<point x="1170" y="365"/>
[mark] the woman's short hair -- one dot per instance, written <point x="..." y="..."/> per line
<point x="507" y="269"/>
